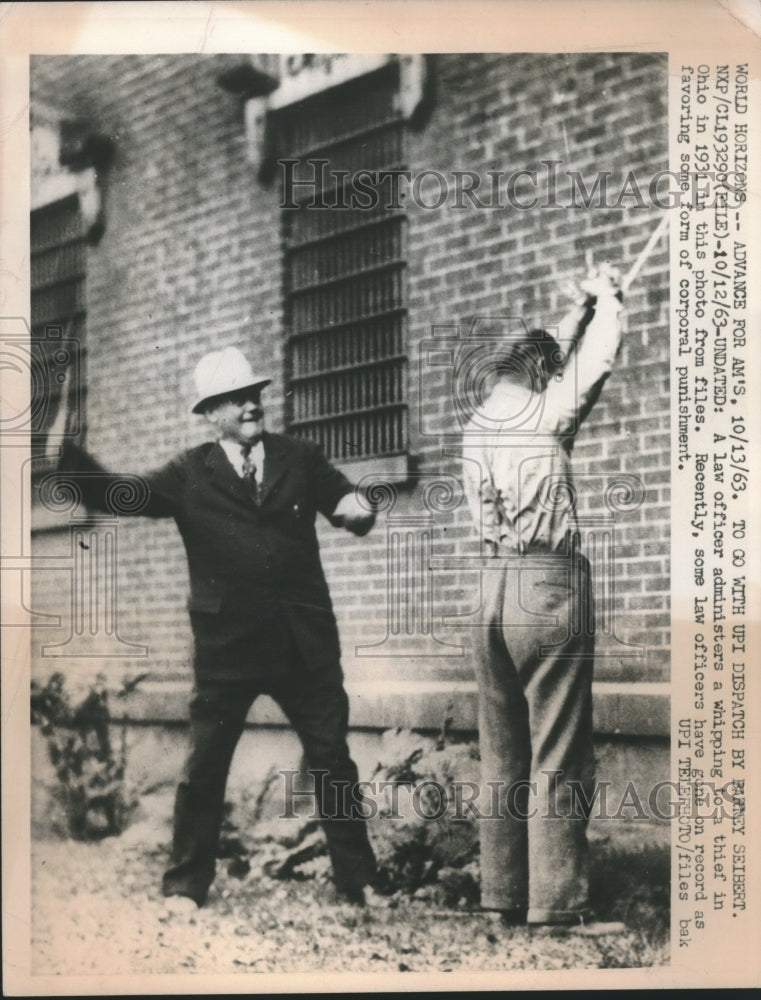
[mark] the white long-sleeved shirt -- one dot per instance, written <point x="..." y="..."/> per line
<point x="517" y="447"/>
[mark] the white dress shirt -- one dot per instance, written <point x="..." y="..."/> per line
<point x="349" y="512"/>
<point x="234" y="452"/>
<point x="519" y="486"/>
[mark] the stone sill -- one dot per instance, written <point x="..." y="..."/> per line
<point x="390" y="468"/>
<point x="620" y="708"/>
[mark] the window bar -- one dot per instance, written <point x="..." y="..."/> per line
<point x="346" y="272"/>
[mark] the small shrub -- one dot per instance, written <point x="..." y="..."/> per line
<point x="432" y="858"/>
<point x="90" y="785"/>
<point x="425" y="843"/>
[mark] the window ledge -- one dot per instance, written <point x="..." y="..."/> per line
<point x="45" y="520"/>
<point x="391" y="468"/>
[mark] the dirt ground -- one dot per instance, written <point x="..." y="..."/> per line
<point x="97" y="909"/>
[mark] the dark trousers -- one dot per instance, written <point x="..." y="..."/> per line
<point x="534" y="670"/>
<point x="317" y="706"/>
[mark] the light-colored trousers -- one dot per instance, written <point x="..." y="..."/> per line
<point x="534" y="666"/>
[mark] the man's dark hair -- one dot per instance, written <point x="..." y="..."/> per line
<point x="532" y="360"/>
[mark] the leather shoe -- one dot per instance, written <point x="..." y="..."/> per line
<point x="355" y="896"/>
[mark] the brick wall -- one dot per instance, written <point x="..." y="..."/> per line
<point x="190" y="260"/>
<point x="592" y="112"/>
<point x="500" y="113"/>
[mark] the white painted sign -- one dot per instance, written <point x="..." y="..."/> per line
<point x="302" y="75"/>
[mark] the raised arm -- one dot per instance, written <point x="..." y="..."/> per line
<point x="594" y="328"/>
<point x="155" y="494"/>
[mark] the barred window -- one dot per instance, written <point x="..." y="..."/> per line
<point x="58" y="262"/>
<point x="344" y="270"/>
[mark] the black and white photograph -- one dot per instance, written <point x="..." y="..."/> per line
<point x="384" y="461"/>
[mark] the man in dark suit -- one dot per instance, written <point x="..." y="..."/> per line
<point x="260" y="611"/>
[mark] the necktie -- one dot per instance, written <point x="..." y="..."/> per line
<point x="249" y="473"/>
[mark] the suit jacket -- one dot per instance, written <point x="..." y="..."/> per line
<point x="257" y="584"/>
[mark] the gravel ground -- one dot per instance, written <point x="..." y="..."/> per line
<point x="96" y="908"/>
